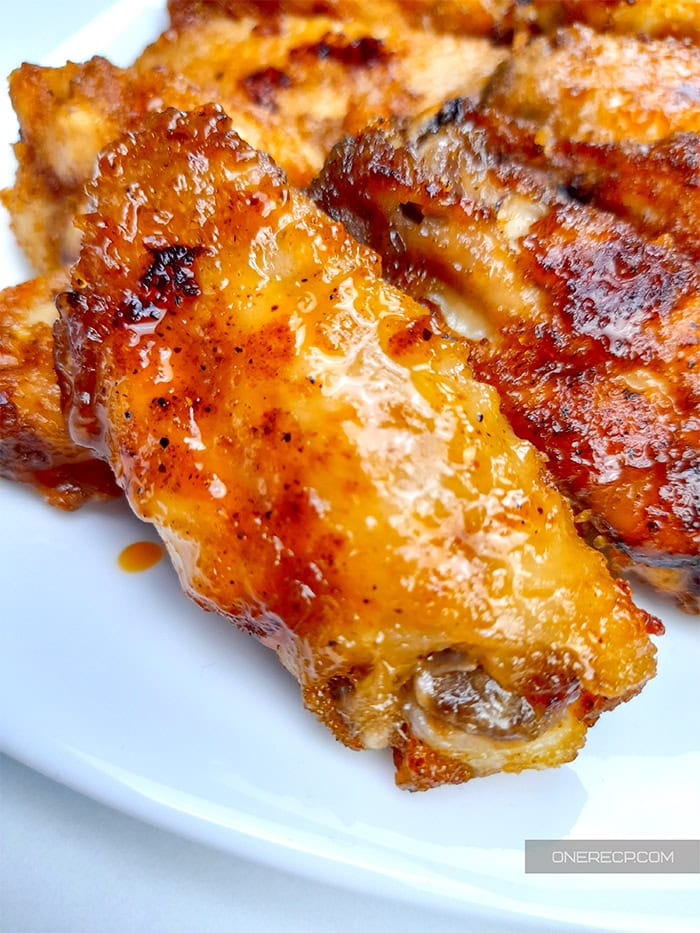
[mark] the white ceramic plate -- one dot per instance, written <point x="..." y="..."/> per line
<point x="119" y="687"/>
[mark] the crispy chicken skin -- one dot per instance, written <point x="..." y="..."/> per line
<point x="325" y="472"/>
<point x="583" y="86"/>
<point x="66" y="115"/>
<point x="655" y="186"/>
<point x="293" y="82"/>
<point x="614" y="118"/>
<point x="493" y="18"/>
<point x="34" y="443"/>
<point x="294" y="77"/>
<point x="587" y="330"/>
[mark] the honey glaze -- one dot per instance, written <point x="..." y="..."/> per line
<point x="139" y="556"/>
<point x="323" y="469"/>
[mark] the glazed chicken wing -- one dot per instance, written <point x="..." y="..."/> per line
<point x="34" y="444"/>
<point x="324" y="470"/>
<point x="616" y="118"/>
<point x="493" y="18"/>
<point x="659" y="18"/>
<point x="583" y="86"/>
<point x="293" y="82"/>
<point x="293" y="77"/>
<point x="654" y="186"/>
<point x="588" y="330"/>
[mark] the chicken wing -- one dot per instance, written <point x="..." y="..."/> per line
<point x="325" y="472"/>
<point x="293" y="83"/>
<point x="293" y="78"/>
<point x="616" y="118"/>
<point x="492" y="18"/>
<point x="587" y="330"/>
<point x="657" y="18"/>
<point x="583" y="86"/>
<point x="656" y="186"/>
<point x="34" y="443"/>
<point x="495" y="18"/>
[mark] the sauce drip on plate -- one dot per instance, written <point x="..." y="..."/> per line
<point x="141" y="555"/>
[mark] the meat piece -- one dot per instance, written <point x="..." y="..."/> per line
<point x="657" y="18"/>
<point x="34" y="444"/>
<point x="588" y="331"/>
<point x="293" y="82"/>
<point x="656" y="186"/>
<point x="583" y="86"/>
<point x="68" y="114"/>
<point x="495" y="18"/>
<point x="616" y="118"/>
<point x="294" y="79"/>
<point x="325" y="472"/>
<point x="492" y="18"/>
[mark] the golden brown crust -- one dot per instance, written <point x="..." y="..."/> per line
<point x="322" y="466"/>
<point x="67" y="115"/>
<point x="587" y="330"/>
<point x="601" y="88"/>
<point x="41" y="214"/>
<point x="420" y="767"/>
<point x="656" y="187"/>
<point x="34" y="445"/>
<point x="293" y="84"/>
